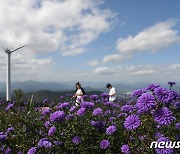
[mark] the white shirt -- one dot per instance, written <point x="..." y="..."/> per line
<point x="79" y="91"/>
<point x="111" y="92"/>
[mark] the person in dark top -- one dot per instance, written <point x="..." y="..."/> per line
<point x="79" y="93"/>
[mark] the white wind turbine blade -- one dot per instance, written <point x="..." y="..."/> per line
<point x="22" y="46"/>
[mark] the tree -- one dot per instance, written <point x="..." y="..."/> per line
<point x="18" y="95"/>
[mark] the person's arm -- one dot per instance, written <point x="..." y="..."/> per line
<point x="79" y="94"/>
<point x="75" y="95"/>
<point x="83" y="91"/>
<point x="112" y="95"/>
<point x="113" y="92"/>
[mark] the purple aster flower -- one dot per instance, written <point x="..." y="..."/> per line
<point x="98" y="101"/>
<point x="152" y="87"/>
<point x="47" y="144"/>
<point x="178" y="126"/>
<point x="20" y="152"/>
<point x="87" y="105"/>
<point x="10" y="105"/>
<point x="47" y="123"/>
<point x="32" y="150"/>
<point x="164" y="95"/>
<point x="139" y="112"/>
<point x="107" y="112"/>
<point x="98" y="111"/>
<point x="81" y="111"/>
<point x="26" y="103"/>
<point x="114" y="112"/>
<point x="111" y="119"/>
<point x="163" y="116"/>
<point x="40" y="143"/>
<point x="142" y="137"/>
<point x="125" y="149"/>
<point x="58" y="115"/>
<point x="40" y="132"/>
<point x="58" y="143"/>
<point x="111" y="104"/>
<point x="80" y="99"/>
<point x="70" y="117"/>
<point x="72" y="109"/>
<point x="2" y="148"/>
<point x="46" y="101"/>
<point x="68" y="95"/>
<point x="61" y="97"/>
<point x="42" y="117"/>
<point x="164" y="150"/>
<point x="10" y="129"/>
<point x="104" y="144"/>
<point x="177" y="105"/>
<point x="138" y="92"/>
<point x="44" y="143"/>
<point x="126" y="108"/>
<point x="104" y="95"/>
<point x="122" y="115"/>
<point x="110" y="130"/>
<point x="63" y="105"/>
<point x="171" y="83"/>
<point x="51" y="131"/>
<point x="158" y="135"/>
<point x="98" y="124"/>
<point x="46" y="111"/>
<point x="94" y="97"/>
<point x="145" y="102"/>
<point x="132" y="122"/>
<point x="2" y="136"/>
<point x="8" y="151"/>
<point x="158" y="126"/>
<point x="76" y="140"/>
<point x="177" y="137"/>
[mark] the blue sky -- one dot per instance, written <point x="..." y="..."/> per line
<point x="108" y="40"/>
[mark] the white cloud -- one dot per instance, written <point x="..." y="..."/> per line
<point x="93" y="63"/>
<point x="66" y="26"/>
<point x="59" y="25"/>
<point x="153" y="39"/>
<point x="116" y="58"/>
<point x="151" y="73"/>
<point x="129" y="70"/>
<point x="175" y="66"/>
<point x="103" y="70"/>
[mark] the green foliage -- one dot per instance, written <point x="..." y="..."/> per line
<point x="18" y="95"/>
<point x="28" y="123"/>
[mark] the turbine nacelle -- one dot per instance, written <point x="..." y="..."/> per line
<point x="8" y="51"/>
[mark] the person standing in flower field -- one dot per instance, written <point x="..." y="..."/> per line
<point x="112" y="92"/>
<point x="79" y="93"/>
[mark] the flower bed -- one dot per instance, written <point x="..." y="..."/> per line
<point x="96" y="126"/>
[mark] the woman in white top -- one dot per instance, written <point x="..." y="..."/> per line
<point x="112" y="92"/>
<point x="79" y="93"/>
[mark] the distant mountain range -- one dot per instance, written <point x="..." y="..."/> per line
<point x="51" y="95"/>
<point x="55" y="89"/>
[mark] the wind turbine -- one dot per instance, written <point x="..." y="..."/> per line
<point x="8" y="82"/>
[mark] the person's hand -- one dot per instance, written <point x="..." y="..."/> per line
<point x="75" y="95"/>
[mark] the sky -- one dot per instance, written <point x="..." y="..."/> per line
<point x="91" y="40"/>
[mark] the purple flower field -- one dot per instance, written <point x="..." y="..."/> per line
<point x="95" y="126"/>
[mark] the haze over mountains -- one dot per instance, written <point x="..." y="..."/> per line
<point x="35" y="86"/>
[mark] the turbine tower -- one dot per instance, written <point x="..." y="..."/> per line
<point x="8" y="82"/>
